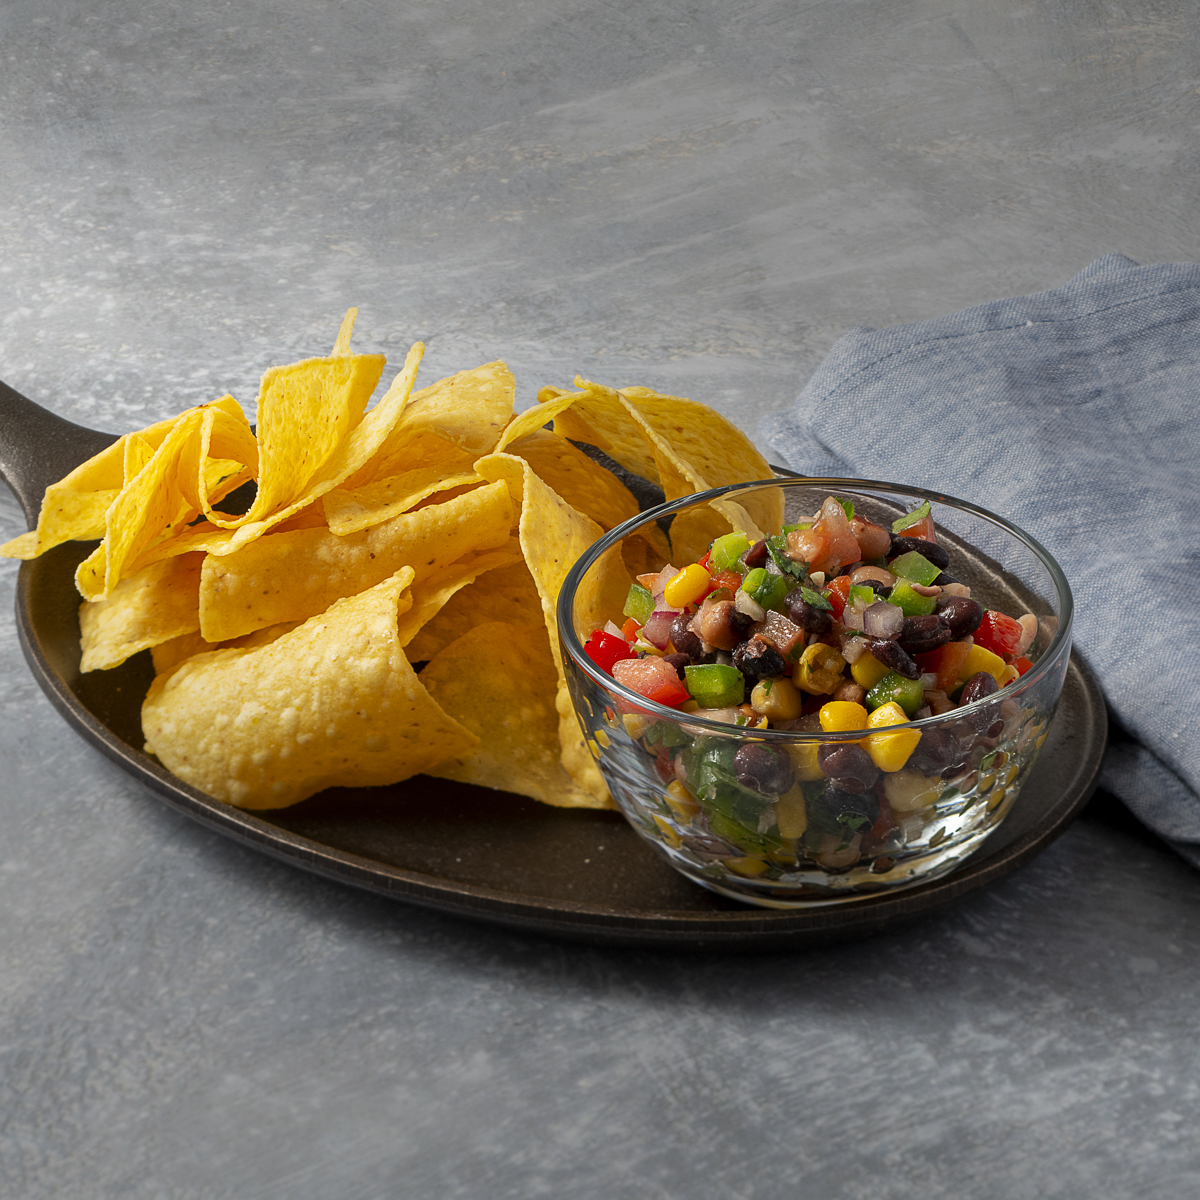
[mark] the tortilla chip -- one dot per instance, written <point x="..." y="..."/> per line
<point x="552" y="535"/>
<point x="348" y="511"/>
<point x="155" y="605"/>
<point x="535" y="419"/>
<point x="293" y="576"/>
<point x="498" y="680"/>
<point x="168" y="655"/>
<point x="581" y="482"/>
<point x="342" y="344"/>
<point x="333" y="703"/>
<point x="468" y="411"/>
<point x="506" y="594"/>
<point x="430" y="595"/>
<point x="603" y="418"/>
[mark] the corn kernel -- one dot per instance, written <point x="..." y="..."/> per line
<point x="679" y="801"/>
<point x="603" y="738"/>
<point x="668" y="834"/>
<point x="635" y="724"/>
<point x="687" y="587"/>
<point x="979" y="658"/>
<point x="749" y="866"/>
<point x="791" y="815"/>
<point x="867" y="671"/>
<point x="837" y="716"/>
<point x="804" y="762"/>
<point x="890" y="751"/>
<point x="591" y="745"/>
<point x="887" y="714"/>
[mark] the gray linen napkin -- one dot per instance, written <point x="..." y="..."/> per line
<point x="1074" y="413"/>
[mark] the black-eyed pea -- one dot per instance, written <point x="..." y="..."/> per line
<point x="777" y="699"/>
<point x="910" y="791"/>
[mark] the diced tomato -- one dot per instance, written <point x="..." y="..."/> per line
<point x="704" y="560"/>
<point x="999" y="633"/>
<point x="923" y="529"/>
<point x="946" y="662"/>
<point x="653" y="678"/>
<point x="829" y="545"/>
<point x="836" y="592"/>
<point x="629" y="629"/>
<point x="606" y="649"/>
<point x="1022" y="664"/>
<point x="725" y="579"/>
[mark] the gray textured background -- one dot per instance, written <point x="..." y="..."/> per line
<point x="698" y="196"/>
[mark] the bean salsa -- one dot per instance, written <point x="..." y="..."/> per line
<point x="835" y="624"/>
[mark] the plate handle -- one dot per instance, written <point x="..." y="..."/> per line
<point x="38" y="447"/>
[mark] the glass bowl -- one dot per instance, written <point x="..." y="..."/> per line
<point x="673" y="774"/>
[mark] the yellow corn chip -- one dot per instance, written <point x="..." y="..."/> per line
<point x="153" y="606"/>
<point x="582" y="483"/>
<point x="506" y="594"/>
<point x="553" y="535"/>
<point x="342" y="344"/>
<point x="431" y="594"/>
<point x="333" y="703"/>
<point x="348" y="511"/>
<point x="292" y="576"/>
<point x="468" y="410"/>
<point x="509" y="666"/>
<point x="533" y="419"/>
<point x="603" y="418"/>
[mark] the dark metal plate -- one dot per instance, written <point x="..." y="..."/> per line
<point x="505" y="859"/>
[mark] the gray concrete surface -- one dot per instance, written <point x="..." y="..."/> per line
<point x="694" y="195"/>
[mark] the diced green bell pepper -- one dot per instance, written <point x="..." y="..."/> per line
<point x="714" y="685"/>
<point x="860" y="592"/>
<point x="764" y="588"/>
<point x="912" y="518"/>
<point x="908" y="693"/>
<point x="639" y="604"/>
<point x="911" y="603"/>
<point x="727" y="551"/>
<point x="915" y="566"/>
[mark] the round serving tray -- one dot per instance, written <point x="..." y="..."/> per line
<point x="502" y="858"/>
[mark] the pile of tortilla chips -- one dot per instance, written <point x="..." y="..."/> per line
<point x="434" y="529"/>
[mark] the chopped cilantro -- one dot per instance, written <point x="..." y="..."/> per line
<point x="911" y="518"/>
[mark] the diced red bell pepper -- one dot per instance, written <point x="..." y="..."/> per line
<point x="946" y="662"/>
<point x="1022" y="664"/>
<point x="724" y="579"/>
<point x="707" y="556"/>
<point x="629" y="629"/>
<point x="653" y="678"/>
<point x="605" y="649"/>
<point x="999" y="633"/>
<point x="836" y="592"/>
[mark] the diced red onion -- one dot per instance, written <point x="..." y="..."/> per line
<point x="664" y="577"/>
<point x="883" y="620"/>
<point x="657" y="630"/>
<point x="786" y="636"/>
<point x="928" y="682"/>
<point x="852" y="618"/>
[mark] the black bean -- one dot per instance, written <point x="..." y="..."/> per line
<point x="857" y="810"/>
<point x="848" y="765"/>
<point x="961" y="614"/>
<point x="944" y="577"/>
<point x="684" y="640"/>
<point x="756" y="556"/>
<point x="882" y="590"/>
<point x="893" y="657"/>
<point x="764" y="768"/>
<point x="924" y="633"/>
<point x="933" y="552"/>
<point x="758" y="660"/>
<point x="936" y="750"/>
<point x="678" y="661"/>
<point x="810" y="618"/>
<point x="979" y="687"/>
